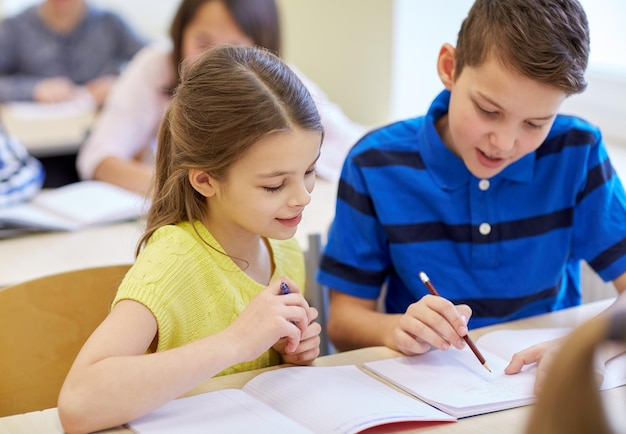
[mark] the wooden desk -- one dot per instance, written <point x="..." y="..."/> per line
<point x="31" y="256"/>
<point x="49" y="129"/>
<point x="510" y="421"/>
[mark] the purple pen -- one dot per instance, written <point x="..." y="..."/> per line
<point x="284" y="288"/>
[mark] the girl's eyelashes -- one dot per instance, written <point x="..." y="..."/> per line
<point x="274" y="189"/>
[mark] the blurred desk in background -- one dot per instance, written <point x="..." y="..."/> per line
<point x="52" y="133"/>
<point x="49" y="129"/>
<point x="40" y="254"/>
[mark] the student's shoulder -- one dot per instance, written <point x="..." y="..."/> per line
<point x="176" y="239"/>
<point x="156" y="54"/>
<point x="395" y="136"/>
<point x="574" y="129"/>
<point x="107" y="18"/>
<point x="98" y="12"/>
<point x="28" y="17"/>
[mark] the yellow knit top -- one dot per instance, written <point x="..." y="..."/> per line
<point x="195" y="291"/>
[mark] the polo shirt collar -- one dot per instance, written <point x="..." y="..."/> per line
<point x="447" y="169"/>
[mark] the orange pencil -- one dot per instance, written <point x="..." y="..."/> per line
<point x="467" y="339"/>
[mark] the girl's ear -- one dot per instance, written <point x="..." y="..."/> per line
<point x="202" y="182"/>
<point x="446" y="63"/>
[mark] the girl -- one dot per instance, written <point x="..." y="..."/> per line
<point x="121" y="146"/>
<point x="234" y="171"/>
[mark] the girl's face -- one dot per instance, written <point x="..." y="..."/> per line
<point x="213" y="25"/>
<point x="267" y="189"/>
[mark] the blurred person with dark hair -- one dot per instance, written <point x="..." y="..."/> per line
<point x="122" y="144"/>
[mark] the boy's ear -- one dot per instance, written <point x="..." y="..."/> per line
<point x="202" y="182"/>
<point x="446" y="63"/>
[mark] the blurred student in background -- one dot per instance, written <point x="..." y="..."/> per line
<point x="59" y="50"/>
<point x="21" y="175"/>
<point x="122" y="144"/>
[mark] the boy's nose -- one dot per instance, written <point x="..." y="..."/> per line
<point x="504" y="139"/>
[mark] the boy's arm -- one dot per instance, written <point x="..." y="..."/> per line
<point x="354" y="322"/>
<point x="430" y="322"/>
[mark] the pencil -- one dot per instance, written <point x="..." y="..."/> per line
<point x="467" y="339"/>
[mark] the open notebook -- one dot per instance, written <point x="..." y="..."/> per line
<point x="455" y="382"/>
<point x="338" y="399"/>
<point x="72" y="207"/>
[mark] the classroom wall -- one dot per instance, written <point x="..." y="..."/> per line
<point x="376" y="58"/>
<point x="345" y="47"/>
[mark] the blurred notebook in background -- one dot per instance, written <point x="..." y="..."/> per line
<point x="72" y="207"/>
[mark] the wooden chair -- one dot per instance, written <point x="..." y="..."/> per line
<point x="43" y="324"/>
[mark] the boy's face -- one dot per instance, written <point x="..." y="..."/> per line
<point x="496" y="116"/>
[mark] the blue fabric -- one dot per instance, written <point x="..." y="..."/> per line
<point x="406" y="204"/>
<point x="30" y="51"/>
<point x="21" y="176"/>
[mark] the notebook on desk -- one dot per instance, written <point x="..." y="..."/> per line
<point x="337" y="399"/>
<point x="72" y="207"/>
<point x="456" y="383"/>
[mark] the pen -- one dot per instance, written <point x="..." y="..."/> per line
<point x="284" y="288"/>
<point x="467" y="339"/>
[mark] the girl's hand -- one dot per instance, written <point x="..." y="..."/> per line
<point x="309" y="347"/>
<point x="430" y="322"/>
<point x="269" y="317"/>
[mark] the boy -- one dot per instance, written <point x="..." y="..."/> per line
<point x="491" y="194"/>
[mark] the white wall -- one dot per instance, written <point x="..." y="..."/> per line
<point x="418" y="34"/>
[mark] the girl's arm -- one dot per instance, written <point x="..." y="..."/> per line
<point x="114" y="381"/>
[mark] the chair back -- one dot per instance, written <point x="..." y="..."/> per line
<point x="317" y="294"/>
<point x="43" y="325"/>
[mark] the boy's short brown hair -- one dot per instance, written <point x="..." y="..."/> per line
<point x="545" y="40"/>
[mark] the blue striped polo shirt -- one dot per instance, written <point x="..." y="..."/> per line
<point x="509" y="246"/>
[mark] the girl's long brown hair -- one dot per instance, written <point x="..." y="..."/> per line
<point x="228" y="99"/>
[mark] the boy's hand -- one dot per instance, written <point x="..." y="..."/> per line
<point x="432" y="321"/>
